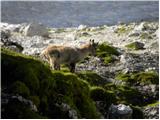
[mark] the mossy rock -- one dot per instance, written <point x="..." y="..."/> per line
<point x="150" y="77"/>
<point x="91" y="77"/>
<point x="125" y="94"/>
<point x="100" y="94"/>
<point x="102" y="48"/>
<point x="20" y="67"/>
<point x="123" y="29"/>
<point x="135" y="46"/>
<point x="20" y="88"/>
<point x="75" y="92"/>
<point x="50" y="87"/>
<point x="106" y="52"/>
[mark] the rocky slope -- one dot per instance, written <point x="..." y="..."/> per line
<point x="125" y="69"/>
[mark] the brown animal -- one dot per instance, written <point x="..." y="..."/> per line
<point x="57" y="55"/>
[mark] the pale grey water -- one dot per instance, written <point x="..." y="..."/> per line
<point x="72" y="14"/>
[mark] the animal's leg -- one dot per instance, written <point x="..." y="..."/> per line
<point x="51" y="63"/>
<point x="56" y="66"/>
<point x="72" y="67"/>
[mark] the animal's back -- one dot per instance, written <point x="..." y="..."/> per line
<point x="63" y="54"/>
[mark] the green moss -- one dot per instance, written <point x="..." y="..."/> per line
<point x="123" y="29"/>
<point x="125" y="95"/>
<point x="47" y="87"/>
<point x="137" y="112"/>
<point x="100" y="94"/>
<point x="150" y="77"/>
<point x="91" y="77"/>
<point x="20" y="88"/>
<point x="133" y="46"/>
<point x="75" y="93"/>
<point x="102" y="48"/>
<point x="106" y="52"/>
<point x="27" y="69"/>
<point x="108" y="59"/>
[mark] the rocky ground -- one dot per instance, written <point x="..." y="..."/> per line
<point x="136" y="43"/>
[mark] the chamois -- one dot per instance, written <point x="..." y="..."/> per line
<point x="57" y="55"/>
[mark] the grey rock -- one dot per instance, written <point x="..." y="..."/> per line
<point x="120" y="111"/>
<point x="82" y="27"/>
<point x="151" y="112"/>
<point x="66" y="108"/>
<point x="7" y="97"/>
<point x="34" y="29"/>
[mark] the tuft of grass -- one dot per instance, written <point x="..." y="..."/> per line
<point x="106" y="52"/>
<point x="134" y="46"/>
<point x="150" y="77"/>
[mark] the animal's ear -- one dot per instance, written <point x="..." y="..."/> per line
<point x="92" y="41"/>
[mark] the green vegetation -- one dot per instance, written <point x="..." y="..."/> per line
<point x="153" y="104"/>
<point x="106" y="52"/>
<point x="150" y="77"/>
<point x="20" y="88"/>
<point x="60" y="30"/>
<point x="91" y="77"/>
<point x="45" y="88"/>
<point x="134" y="46"/>
<point x="100" y="94"/>
<point x="137" y="112"/>
<point x="33" y="80"/>
<point x="125" y="95"/>
<point x="123" y="29"/>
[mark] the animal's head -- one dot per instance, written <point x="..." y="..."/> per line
<point x="93" y="47"/>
